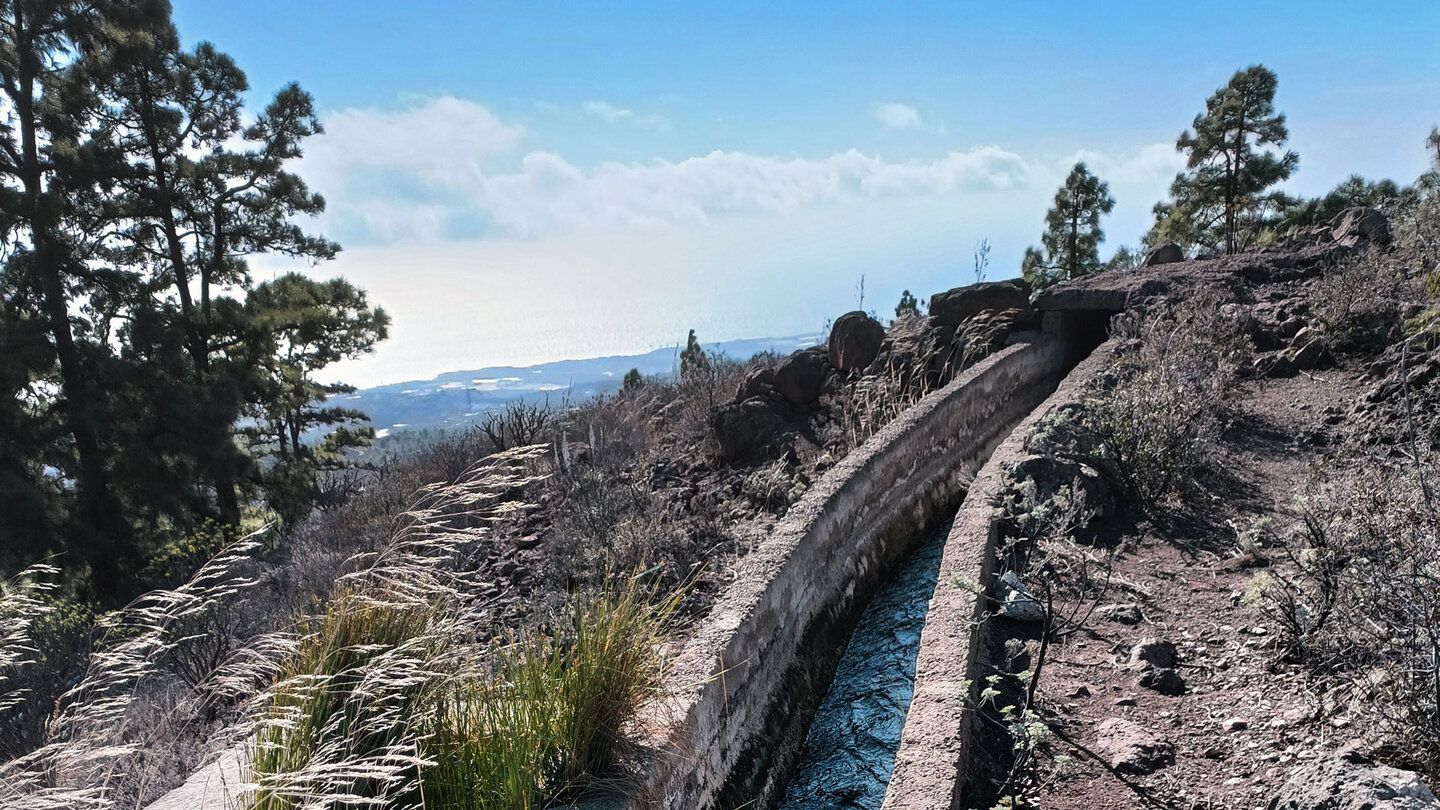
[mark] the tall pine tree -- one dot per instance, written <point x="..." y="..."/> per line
<point x="1070" y="246"/>
<point x="133" y="360"/>
<point x="1220" y="202"/>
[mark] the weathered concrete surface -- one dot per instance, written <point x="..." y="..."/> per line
<point x="833" y="545"/>
<point x="937" y="739"/>
<point x="213" y="787"/>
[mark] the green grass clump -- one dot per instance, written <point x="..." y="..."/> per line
<point x="383" y="705"/>
<point x="549" y="720"/>
<point x="348" y="696"/>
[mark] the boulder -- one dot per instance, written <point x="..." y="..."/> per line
<point x="1130" y="748"/>
<point x="1164" y="680"/>
<point x="801" y="377"/>
<point x="1168" y="253"/>
<point x="746" y="427"/>
<point x="1152" y="652"/>
<point x="1355" y="225"/>
<point x="1309" y="355"/>
<point x="954" y="307"/>
<point x="1050" y="474"/>
<point x="1350" y="782"/>
<point x="758" y="382"/>
<point x="1123" y="613"/>
<point x="854" y="341"/>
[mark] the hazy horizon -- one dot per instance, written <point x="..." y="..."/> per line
<point x="531" y="182"/>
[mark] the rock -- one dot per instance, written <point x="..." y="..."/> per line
<point x="1129" y="748"/>
<point x="1309" y="356"/>
<point x="954" y="307"/>
<point x="743" y="428"/>
<point x="756" y="383"/>
<point x="800" y="379"/>
<point x="527" y="542"/>
<point x="1123" y="613"/>
<point x="854" y="341"/>
<point x="1349" y="782"/>
<point x="1050" y="474"/>
<point x="1167" y="253"/>
<point x="1213" y="752"/>
<point x="1081" y="691"/>
<point x="1235" y="724"/>
<point x="1152" y="652"/>
<point x="1287" y="330"/>
<point x="1164" y="680"/>
<point x="1279" y="367"/>
<point x="1016" y="602"/>
<point x="1355" y="225"/>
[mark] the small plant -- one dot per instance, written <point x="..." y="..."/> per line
<point x="632" y="381"/>
<point x="773" y="487"/>
<point x="694" y="362"/>
<point x="550" y="717"/>
<point x="982" y="259"/>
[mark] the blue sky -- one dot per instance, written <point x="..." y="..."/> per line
<point x="521" y="182"/>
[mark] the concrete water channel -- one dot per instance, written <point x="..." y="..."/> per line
<point x="849" y="749"/>
<point x="841" y="573"/>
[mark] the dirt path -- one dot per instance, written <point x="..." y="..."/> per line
<point x="1239" y="727"/>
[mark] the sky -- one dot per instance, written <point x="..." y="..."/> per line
<point x="521" y="182"/>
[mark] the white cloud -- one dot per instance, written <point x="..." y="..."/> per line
<point x="610" y="113"/>
<point x="897" y="116"/>
<point x="429" y="136"/>
<point x="445" y="168"/>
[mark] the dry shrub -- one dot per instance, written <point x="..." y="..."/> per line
<point x="517" y="424"/>
<point x="874" y="401"/>
<point x="1360" y="602"/>
<point x="1357" y="305"/>
<point x="1153" y="417"/>
<point x="116" y="734"/>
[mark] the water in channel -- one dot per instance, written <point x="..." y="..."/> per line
<point x="849" y="750"/>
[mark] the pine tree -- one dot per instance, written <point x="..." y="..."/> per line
<point x="908" y="307"/>
<point x="633" y="380"/>
<point x="206" y="192"/>
<point x="292" y="328"/>
<point x="54" y="166"/>
<point x="133" y="189"/>
<point x="694" y="364"/>
<point x="1219" y="203"/>
<point x="1070" y="246"/>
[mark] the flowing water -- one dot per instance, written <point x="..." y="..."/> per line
<point x="849" y="750"/>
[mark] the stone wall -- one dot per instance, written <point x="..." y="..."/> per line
<point x="737" y="685"/>
<point x="937" y="739"/>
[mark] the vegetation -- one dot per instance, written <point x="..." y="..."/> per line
<point x="1219" y="203"/>
<point x="1358" y="602"/>
<point x="1070" y="246"/>
<point x="908" y="306"/>
<point x="694" y="363"/>
<point x="1149" y="423"/>
<point x="150" y="386"/>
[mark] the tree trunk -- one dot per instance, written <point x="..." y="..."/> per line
<point x="108" y="538"/>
